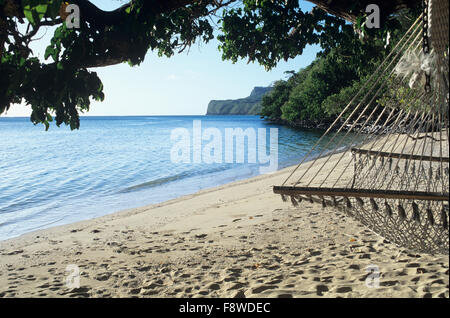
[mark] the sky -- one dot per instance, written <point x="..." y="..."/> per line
<point x="180" y="85"/>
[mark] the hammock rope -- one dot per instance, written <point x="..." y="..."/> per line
<point x="389" y="161"/>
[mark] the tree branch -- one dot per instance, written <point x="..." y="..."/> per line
<point x="97" y="17"/>
<point x="117" y="47"/>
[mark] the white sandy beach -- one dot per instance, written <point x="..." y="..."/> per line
<point x="236" y="240"/>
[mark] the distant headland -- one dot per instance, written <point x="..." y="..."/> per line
<point x="250" y="105"/>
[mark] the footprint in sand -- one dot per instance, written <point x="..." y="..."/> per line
<point x="321" y="289"/>
<point x="355" y="267"/>
<point x="235" y="286"/>
<point x="239" y="294"/>
<point x="15" y="252"/>
<point x="314" y="253"/>
<point x="214" y="286"/>
<point x="262" y="288"/>
<point x="103" y="276"/>
<point x="342" y="290"/>
<point x="389" y="283"/>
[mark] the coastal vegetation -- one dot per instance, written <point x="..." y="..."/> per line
<point x="316" y="95"/>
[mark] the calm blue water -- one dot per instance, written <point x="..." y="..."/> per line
<point x="112" y="163"/>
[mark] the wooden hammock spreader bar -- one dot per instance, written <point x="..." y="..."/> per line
<point x="399" y="155"/>
<point x="361" y="193"/>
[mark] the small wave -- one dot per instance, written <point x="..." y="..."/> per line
<point x="176" y="177"/>
<point x="156" y="182"/>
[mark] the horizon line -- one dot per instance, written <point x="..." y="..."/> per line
<point x="87" y="116"/>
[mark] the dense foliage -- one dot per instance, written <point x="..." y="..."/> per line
<point x="318" y="93"/>
<point x="63" y="85"/>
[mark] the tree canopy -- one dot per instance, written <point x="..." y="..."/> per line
<point x="62" y="86"/>
<point x="316" y="95"/>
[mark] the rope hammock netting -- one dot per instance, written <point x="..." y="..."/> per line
<point x="389" y="167"/>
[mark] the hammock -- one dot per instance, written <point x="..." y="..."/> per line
<point x="389" y="167"/>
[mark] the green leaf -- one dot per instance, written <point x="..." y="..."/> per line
<point x="28" y="12"/>
<point x="41" y="10"/>
<point x="49" y="51"/>
<point x="34" y="13"/>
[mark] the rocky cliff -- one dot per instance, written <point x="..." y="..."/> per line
<point x="250" y="105"/>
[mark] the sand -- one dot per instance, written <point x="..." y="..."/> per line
<point x="236" y="240"/>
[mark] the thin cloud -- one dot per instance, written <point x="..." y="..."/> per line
<point x="172" y="77"/>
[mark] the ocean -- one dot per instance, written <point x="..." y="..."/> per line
<point x="115" y="163"/>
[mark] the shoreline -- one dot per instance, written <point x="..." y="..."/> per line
<point x="285" y="171"/>
<point x="26" y="208"/>
<point x="235" y="240"/>
<point x="144" y="208"/>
